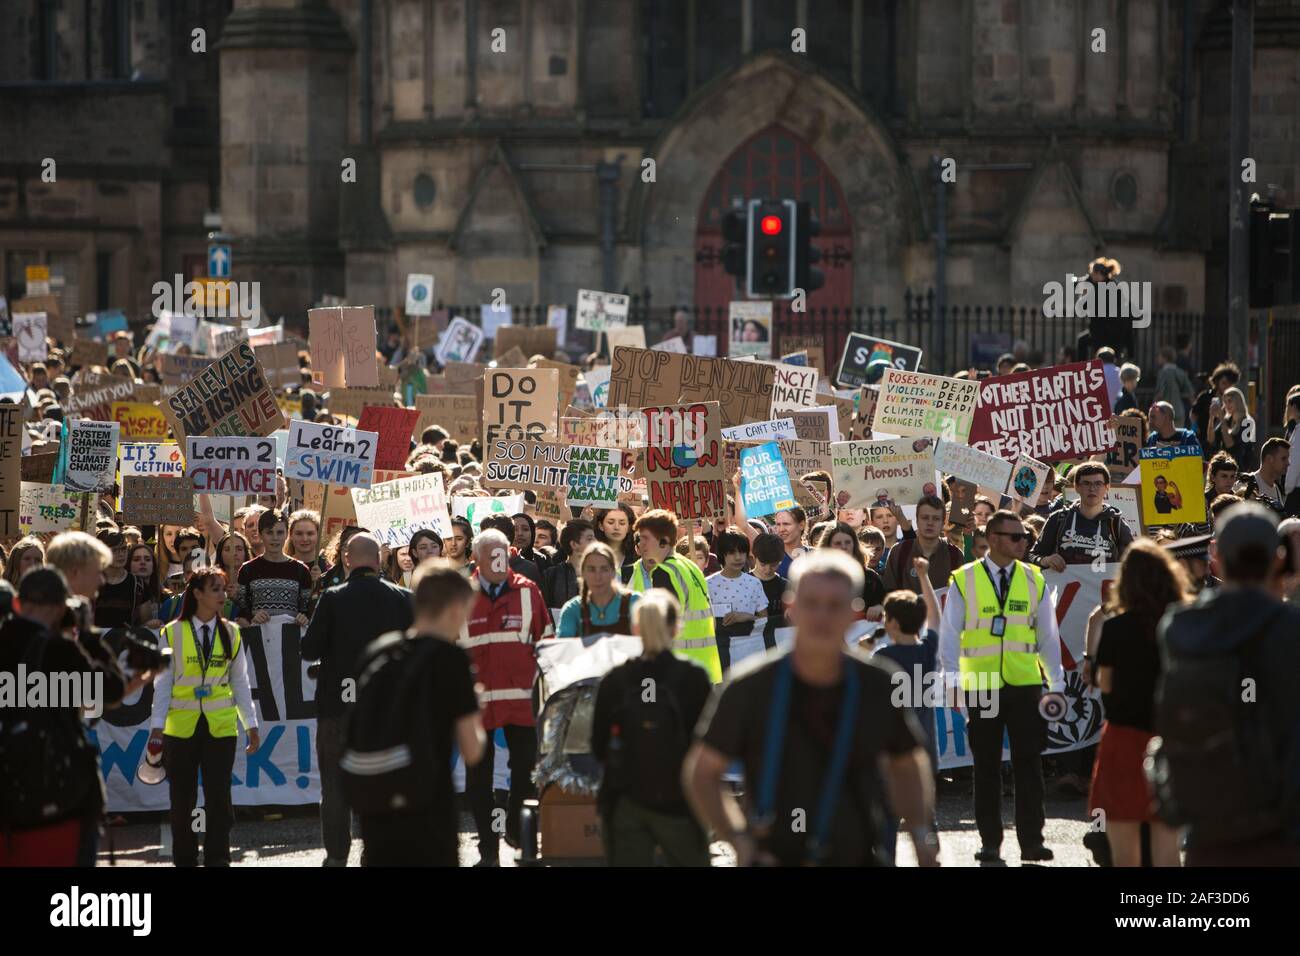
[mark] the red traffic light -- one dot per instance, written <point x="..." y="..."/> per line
<point x="771" y="225"/>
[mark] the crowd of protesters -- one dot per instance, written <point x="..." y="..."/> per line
<point x="774" y="640"/>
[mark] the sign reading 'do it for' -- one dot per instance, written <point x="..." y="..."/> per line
<point x="231" y="466"/>
<point x="521" y="403"/>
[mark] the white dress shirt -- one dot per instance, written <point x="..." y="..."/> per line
<point x="243" y="691"/>
<point x="1049" y="637"/>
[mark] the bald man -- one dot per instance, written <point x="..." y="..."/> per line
<point x="348" y="617"/>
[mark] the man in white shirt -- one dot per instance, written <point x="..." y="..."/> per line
<point x="1007" y="643"/>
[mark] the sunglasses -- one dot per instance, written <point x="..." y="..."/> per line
<point x="1016" y="536"/>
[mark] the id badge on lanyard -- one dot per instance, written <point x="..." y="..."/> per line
<point x="999" y="626"/>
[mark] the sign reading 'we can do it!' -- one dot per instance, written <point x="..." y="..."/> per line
<point x="521" y="403"/>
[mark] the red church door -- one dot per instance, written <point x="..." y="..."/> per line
<point x="776" y="164"/>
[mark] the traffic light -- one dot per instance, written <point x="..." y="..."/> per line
<point x="806" y="227"/>
<point x="735" y="245"/>
<point x="771" y="261"/>
<point x="1274" y="263"/>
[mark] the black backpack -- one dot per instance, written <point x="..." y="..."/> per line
<point x="48" y="767"/>
<point x="388" y="760"/>
<point x="646" y="762"/>
<point x="1215" y="763"/>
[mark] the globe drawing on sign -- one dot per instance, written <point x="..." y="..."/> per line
<point x="600" y="394"/>
<point x="684" y="456"/>
<point x="1025" y="481"/>
<point x="419" y="293"/>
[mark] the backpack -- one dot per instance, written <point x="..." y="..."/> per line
<point x="48" y="766"/>
<point x="646" y="762"/>
<point x="1215" y="764"/>
<point x="387" y="764"/>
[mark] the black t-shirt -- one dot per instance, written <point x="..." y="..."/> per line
<point x="1128" y="646"/>
<point x="775" y="588"/>
<point x="115" y="603"/>
<point x="735" y="724"/>
<point x="453" y="689"/>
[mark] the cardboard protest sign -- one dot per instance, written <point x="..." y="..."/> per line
<point x="642" y="378"/>
<point x="38" y="468"/>
<point x="140" y="422"/>
<point x="1123" y="458"/>
<point x="30" y="331"/>
<point x="780" y="428"/>
<point x="229" y="397"/>
<point x="1027" y="478"/>
<point x="394" y="510"/>
<point x="1172" y="485"/>
<point x="92" y="456"/>
<point x="598" y="311"/>
<point x="794" y="388"/>
<point x="58" y="326"/>
<point x="1051" y="413"/>
<point x="230" y="466"/>
<point x="529" y="339"/>
<point x="47" y="508"/>
<point x="157" y="501"/>
<point x="593" y="479"/>
<point x="515" y="464"/>
<point x="569" y="375"/>
<point x="179" y="369"/>
<point x="330" y="454"/>
<point x="459" y="343"/>
<point x="915" y="403"/>
<point x="353" y="401"/>
<point x="597" y="380"/>
<point x="814" y="345"/>
<point x="419" y="294"/>
<point x="764" y="482"/>
<point x="86" y="353"/>
<point x="520" y="404"/>
<point x="393" y="425"/>
<point x="423" y="331"/>
<point x="153" y="458"/>
<point x="458" y="414"/>
<point x="751" y="329"/>
<point x="970" y="464"/>
<point x="515" y="358"/>
<point x="603" y="431"/>
<point x="474" y="508"/>
<point x="861" y="350"/>
<point x="633" y="337"/>
<point x="874" y="473"/>
<point x="551" y="505"/>
<point x="683" y="458"/>
<point x="343" y="346"/>
<point x="814" y="424"/>
<point x="11" y="469"/>
<point x="280" y="363"/>
<point x="864" y="417"/>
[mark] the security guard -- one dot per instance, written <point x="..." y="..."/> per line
<point x="194" y="706"/>
<point x="999" y="633"/>
<point x="660" y="567"/>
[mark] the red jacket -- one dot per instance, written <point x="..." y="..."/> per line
<point x="500" y="636"/>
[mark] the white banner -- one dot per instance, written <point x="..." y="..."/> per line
<point x="282" y="772"/>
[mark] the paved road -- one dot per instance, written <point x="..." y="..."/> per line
<point x="293" y="839"/>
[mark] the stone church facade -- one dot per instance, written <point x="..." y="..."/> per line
<point x="503" y="144"/>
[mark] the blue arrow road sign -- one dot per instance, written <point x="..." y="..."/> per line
<point x="218" y="262"/>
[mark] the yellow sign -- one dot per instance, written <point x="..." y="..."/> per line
<point x="140" y="421"/>
<point x="215" y="294"/>
<point x="1172" y="483"/>
<point x="38" y="280"/>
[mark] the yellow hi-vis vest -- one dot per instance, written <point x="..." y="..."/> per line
<point x="1012" y="658"/>
<point x="696" y="642"/>
<point x="217" y="701"/>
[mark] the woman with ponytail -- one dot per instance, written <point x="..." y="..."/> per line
<point x="646" y="710"/>
<point x="196" y="702"/>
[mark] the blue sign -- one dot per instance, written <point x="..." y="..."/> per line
<point x="218" y="262"/>
<point x="104" y="324"/>
<point x="764" y="481"/>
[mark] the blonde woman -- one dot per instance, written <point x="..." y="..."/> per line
<point x="27" y="554"/>
<point x="1232" y="429"/>
<point x="603" y="604"/>
<point x="642" y="806"/>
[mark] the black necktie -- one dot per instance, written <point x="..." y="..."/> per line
<point x="1002" y="588"/>
<point x="207" y="642"/>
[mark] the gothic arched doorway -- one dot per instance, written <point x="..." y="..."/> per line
<point x="776" y="164"/>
